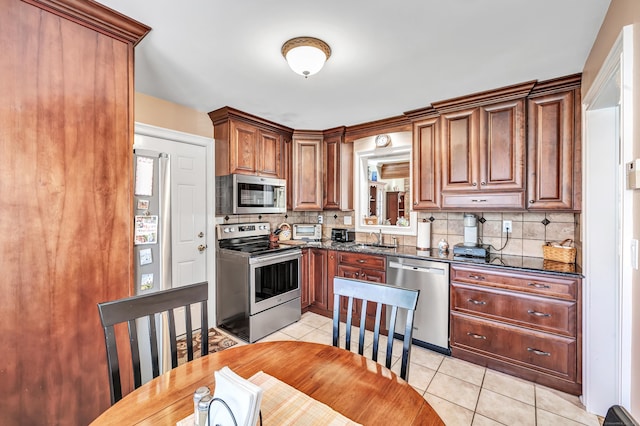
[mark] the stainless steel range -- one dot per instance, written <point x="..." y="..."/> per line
<point x="258" y="282"/>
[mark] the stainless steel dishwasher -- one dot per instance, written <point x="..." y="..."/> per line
<point x="431" y="323"/>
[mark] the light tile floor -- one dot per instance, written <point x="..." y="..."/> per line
<point x="462" y="393"/>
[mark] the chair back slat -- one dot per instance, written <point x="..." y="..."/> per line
<point x="146" y="308"/>
<point x="381" y="294"/>
<point x="135" y="352"/>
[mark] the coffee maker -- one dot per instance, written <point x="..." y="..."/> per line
<point x="470" y="247"/>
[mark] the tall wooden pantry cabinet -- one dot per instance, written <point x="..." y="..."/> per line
<point x="66" y="133"/>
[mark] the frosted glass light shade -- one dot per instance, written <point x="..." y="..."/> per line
<point x="306" y="55"/>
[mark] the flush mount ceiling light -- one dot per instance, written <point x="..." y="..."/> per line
<point x="306" y="55"/>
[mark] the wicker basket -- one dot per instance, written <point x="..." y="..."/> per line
<point x="560" y="252"/>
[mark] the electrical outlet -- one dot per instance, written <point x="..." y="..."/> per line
<point x="506" y="226"/>
<point x="320" y="218"/>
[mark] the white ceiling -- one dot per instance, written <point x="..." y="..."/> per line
<point x="388" y="57"/>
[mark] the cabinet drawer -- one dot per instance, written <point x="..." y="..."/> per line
<point x="362" y="260"/>
<point x="552" y="315"/>
<point x="541" y="351"/>
<point x="547" y="285"/>
<point x="484" y="200"/>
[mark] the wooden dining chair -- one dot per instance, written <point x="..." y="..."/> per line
<point x="149" y="305"/>
<point x="381" y="294"/>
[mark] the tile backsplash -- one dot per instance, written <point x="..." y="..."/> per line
<point x="530" y="230"/>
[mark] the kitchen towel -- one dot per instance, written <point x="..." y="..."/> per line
<point x="424" y="235"/>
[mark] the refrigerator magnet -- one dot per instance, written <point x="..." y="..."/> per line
<point x="146" y="282"/>
<point x="145" y="256"/>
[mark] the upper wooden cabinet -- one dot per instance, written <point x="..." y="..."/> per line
<point x="247" y="144"/>
<point x="337" y="171"/>
<point x="554" y="151"/>
<point x="306" y="184"/>
<point x="483" y="150"/>
<point x="426" y="163"/>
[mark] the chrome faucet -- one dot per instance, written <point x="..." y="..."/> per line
<point x="378" y="236"/>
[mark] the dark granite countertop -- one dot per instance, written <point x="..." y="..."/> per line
<point x="521" y="263"/>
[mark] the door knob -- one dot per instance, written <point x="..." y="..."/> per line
<point x="202" y="248"/>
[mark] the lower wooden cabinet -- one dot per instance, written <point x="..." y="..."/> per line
<point x="362" y="267"/>
<point x="317" y="295"/>
<point x="524" y="324"/>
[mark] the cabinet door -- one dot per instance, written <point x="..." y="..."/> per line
<point x="552" y="144"/>
<point x="307" y="174"/>
<point x="346" y="271"/>
<point x="287" y="170"/>
<point x="426" y="164"/>
<point x="242" y="150"/>
<point x="502" y="146"/>
<point x="332" y="270"/>
<point x="460" y="150"/>
<point x="331" y="188"/>
<point x="269" y="151"/>
<point x="318" y="278"/>
<point x="305" y="297"/>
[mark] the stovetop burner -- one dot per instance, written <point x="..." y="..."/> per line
<point x="248" y="238"/>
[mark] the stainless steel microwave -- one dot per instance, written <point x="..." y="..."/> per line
<point x="244" y="194"/>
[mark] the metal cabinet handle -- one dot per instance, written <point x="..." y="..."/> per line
<point x="538" y="314"/>
<point x="363" y="276"/>
<point x="476" y="336"/>
<point x="415" y="203"/>
<point x="476" y="277"/>
<point x="539" y="352"/>
<point x="477" y="302"/>
<point x="481" y="200"/>
<point x="483" y="183"/>
<point x="474" y="184"/>
<point x="531" y="201"/>
<point x="361" y="261"/>
<point x="357" y="274"/>
<point x="538" y="285"/>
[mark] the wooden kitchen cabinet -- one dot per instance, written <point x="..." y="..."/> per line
<point x="247" y="144"/>
<point x="365" y="267"/>
<point x="306" y="185"/>
<point x="426" y="163"/>
<point x="305" y="281"/>
<point x="337" y="171"/>
<point x="319" y="296"/>
<point x="483" y="153"/>
<point x="554" y="150"/>
<point x="525" y="324"/>
<point x="66" y="181"/>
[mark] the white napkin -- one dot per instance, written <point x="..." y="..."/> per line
<point x="242" y="397"/>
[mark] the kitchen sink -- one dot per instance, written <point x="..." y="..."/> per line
<point x="374" y="246"/>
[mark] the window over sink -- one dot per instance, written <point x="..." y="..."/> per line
<point x="382" y="179"/>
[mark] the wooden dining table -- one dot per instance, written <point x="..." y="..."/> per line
<point x="352" y="385"/>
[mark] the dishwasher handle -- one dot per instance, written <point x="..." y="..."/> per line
<point x="416" y="268"/>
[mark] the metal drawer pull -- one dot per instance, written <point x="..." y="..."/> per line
<point x="538" y="285"/>
<point x="476" y="336"/>
<point x="539" y="352"/>
<point x="538" y="314"/>
<point x="476" y="277"/>
<point x="477" y="302"/>
<point x="361" y="260"/>
<point x="482" y="200"/>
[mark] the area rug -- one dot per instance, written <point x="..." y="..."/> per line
<point x="217" y="342"/>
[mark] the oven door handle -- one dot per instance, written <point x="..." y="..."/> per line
<point x="274" y="258"/>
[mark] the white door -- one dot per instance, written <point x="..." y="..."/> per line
<point x="188" y="221"/>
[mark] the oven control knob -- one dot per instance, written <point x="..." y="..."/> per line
<point x="225" y="230"/>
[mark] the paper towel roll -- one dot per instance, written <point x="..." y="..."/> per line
<point x="424" y="235"/>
